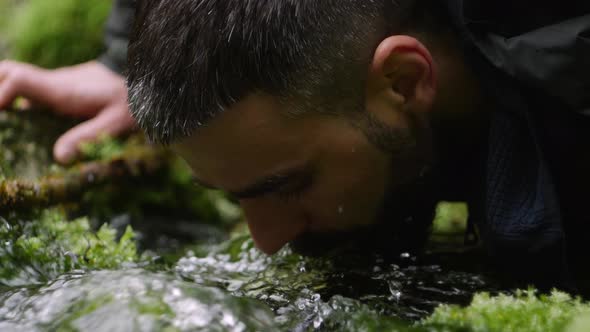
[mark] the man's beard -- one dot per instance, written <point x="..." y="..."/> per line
<point x="402" y="225"/>
<point x="403" y="221"/>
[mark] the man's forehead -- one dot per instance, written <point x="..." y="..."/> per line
<point x="256" y="118"/>
<point x="253" y="113"/>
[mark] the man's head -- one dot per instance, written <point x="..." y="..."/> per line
<point x="314" y="114"/>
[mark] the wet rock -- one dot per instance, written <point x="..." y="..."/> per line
<point x="129" y="300"/>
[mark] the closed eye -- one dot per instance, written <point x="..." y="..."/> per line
<point x="295" y="189"/>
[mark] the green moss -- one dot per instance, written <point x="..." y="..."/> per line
<point x="56" y="33"/>
<point x="5" y="7"/>
<point x="104" y="148"/>
<point x="449" y="226"/>
<point x="450" y="218"/>
<point x="44" y="245"/>
<point x="523" y="312"/>
<point x="580" y="323"/>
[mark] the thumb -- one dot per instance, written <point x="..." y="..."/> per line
<point x="112" y="121"/>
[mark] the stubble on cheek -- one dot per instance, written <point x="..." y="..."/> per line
<point x="399" y="221"/>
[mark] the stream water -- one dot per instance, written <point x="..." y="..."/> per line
<point x="234" y="287"/>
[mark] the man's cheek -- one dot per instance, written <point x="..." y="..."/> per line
<point x="340" y="215"/>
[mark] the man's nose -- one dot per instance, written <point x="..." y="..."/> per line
<point x="272" y="225"/>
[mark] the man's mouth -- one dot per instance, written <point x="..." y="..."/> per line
<point x="317" y="244"/>
<point x="402" y="227"/>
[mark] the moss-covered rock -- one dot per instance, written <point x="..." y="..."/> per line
<point x="524" y="311"/>
<point x="55" y="33"/>
<point x="129" y="300"/>
<point x="43" y="245"/>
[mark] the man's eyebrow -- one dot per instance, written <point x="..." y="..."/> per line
<point x="261" y="187"/>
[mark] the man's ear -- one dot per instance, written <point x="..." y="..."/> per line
<point x="402" y="75"/>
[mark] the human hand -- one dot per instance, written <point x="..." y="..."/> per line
<point x="89" y="90"/>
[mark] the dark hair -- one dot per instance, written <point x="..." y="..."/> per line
<point x="191" y="59"/>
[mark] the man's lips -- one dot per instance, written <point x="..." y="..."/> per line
<point x="322" y="243"/>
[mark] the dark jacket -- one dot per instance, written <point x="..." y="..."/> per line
<point x="529" y="200"/>
<point x="533" y="59"/>
<point x="117" y="30"/>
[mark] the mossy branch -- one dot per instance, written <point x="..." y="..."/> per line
<point x="71" y="184"/>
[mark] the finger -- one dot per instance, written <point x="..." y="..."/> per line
<point x="112" y="121"/>
<point x="7" y="94"/>
<point x="17" y="79"/>
<point x="8" y="85"/>
<point x="9" y="82"/>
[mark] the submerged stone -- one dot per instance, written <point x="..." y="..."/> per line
<point x="129" y="300"/>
